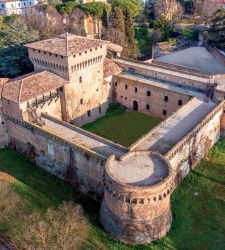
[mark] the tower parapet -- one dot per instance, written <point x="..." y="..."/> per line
<point x="136" y="205"/>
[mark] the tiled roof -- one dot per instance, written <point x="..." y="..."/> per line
<point x="114" y="47"/>
<point x="2" y="82"/>
<point x="29" y="86"/>
<point x="111" y="68"/>
<point x="67" y="44"/>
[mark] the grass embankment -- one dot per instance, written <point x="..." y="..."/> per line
<point x="122" y="127"/>
<point x="143" y="37"/>
<point x="198" y="205"/>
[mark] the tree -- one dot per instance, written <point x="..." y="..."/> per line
<point x="216" y="34"/>
<point x="18" y="33"/>
<point x="169" y="10"/>
<point x="131" y="48"/>
<point x="76" y="22"/>
<point x="104" y="18"/>
<point x="208" y="9"/>
<point x="134" y="5"/>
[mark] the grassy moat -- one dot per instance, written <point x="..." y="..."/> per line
<point x="122" y="127"/>
<point x="27" y="192"/>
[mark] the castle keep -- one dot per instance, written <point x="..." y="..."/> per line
<point x="74" y="80"/>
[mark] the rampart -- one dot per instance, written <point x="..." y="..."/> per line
<point x="186" y="154"/>
<point x="73" y="163"/>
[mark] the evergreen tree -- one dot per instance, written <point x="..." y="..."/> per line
<point x="216" y="34"/>
<point x="118" y="19"/>
<point x="131" y="49"/>
<point x="105" y="18"/>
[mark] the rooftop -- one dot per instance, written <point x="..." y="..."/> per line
<point x="195" y="57"/>
<point x="139" y="169"/>
<point x="32" y="85"/>
<point x="67" y="44"/>
<point x="114" y="47"/>
<point x="111" y="68"/>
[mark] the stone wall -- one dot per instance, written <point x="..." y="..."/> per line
<point x="136" y="214"/>
<point x="195" y="145"/>
<point x="79" y="166"/>
<point x="150" y="99"/>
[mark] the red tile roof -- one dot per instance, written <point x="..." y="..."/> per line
<point x="29" y="86"/>
<point x="67" y="44"/>
<point x="111" y="68"/>
<point x="2" y="82"/>
<point x="114" y="47"/>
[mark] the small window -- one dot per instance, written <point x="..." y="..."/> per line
<point x="33" y="49"/>
<point x="39" y="51"/>
<point x="50" y="54"/>
<point x="135" y="90"/>
<point x="148" y="93"/>
<point x="56" y="55"/>
<point x="164" y="112"/>
<point x="50" y="148"/>
<point x="44" y="52"/>
<point x="147" y="106"/>
<point x="180" y="103"/>
<point x="101" y="46"/>
<point x="3" y="123"/>
<point x="89" y="113"/>
<point x="97" y="90"/>
<point x="80" y="79"/>
<point x="116" y="84"/>
<point x="166" y="98"/>
<point x="100" y="110"/>
<point x="80" y="54"/>
<point x="126" y="86"/>
<point x="81" y="101"/>
<point x="121" y="97"/>
<point x="125" y="98"/>
<point x="62" y="57"/>
<point x="74" y="55"/>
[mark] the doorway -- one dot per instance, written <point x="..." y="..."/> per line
<point x="135" y="105"/>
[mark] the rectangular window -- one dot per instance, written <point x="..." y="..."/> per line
<point x="89" y="113"/>
<point x="164" y="112"/>
<point x="50" y="148"/>
<point x="147" y="106"/>
<point x="180" y="103"/>
<point x="80" y="79"/>
<point x="100" y="110"/>
<point x="116" y="84"/>
<point x="166" y="98"/>
<point x="135" y="90"/>
<point x="81" y="101"/>
<point x="148" y="93"/>
<point x="126" y="86"/>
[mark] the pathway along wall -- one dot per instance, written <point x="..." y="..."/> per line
<point x="137" y="213"/>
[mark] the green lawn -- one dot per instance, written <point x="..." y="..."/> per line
<point x="198" y="205"/>
<point x="143" y="36"/>
<point x="122" y="127"/>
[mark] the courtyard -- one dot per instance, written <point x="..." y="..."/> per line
<point x="198" y="205"/>
<point x="122" y="127"/>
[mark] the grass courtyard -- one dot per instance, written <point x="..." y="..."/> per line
<point x="122" y="127"/>
<point x="198" y="205"/>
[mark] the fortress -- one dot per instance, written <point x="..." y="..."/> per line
<point x="74" y="80"/>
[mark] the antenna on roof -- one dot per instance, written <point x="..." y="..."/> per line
<point x="67" y="44"/>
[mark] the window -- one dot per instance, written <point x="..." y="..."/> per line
<point x="164" y="112"/>
<point x="50" y="148"/>
<point x="56" y="55"/>
<point x="116" y="84"/>
<point x="62" y="57"/>
<point x="166" y="98"/>
<point x="39" y="51"/>
<point x="180" y="103"/>
<point x="148" y="93"/>
<point x="80" y="79"/>
<point x="100" y="110"/>
<point x="81" y="101"/>
<point x="121" y="97"/>
<point x="125" y="98"/>
<point x="126" y="86"/>
<point x="147" y="106"/>
<point x="135" y="90"/>
<point x="89" y="113"/>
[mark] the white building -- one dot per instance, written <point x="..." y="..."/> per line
<point x="23" y="7"/>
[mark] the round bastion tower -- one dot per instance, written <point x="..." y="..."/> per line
<point x="136" y="204"/>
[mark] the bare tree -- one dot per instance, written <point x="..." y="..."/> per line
<point x="170" y="10"/>
<point x="209" y="7"/>
<point x="75" y="22"/>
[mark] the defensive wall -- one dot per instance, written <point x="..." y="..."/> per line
<point x="187" y="153"/>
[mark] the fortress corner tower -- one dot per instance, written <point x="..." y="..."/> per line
<point x="136" y="205"/>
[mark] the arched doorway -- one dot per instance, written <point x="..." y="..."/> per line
<point x="135" y="105"/>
